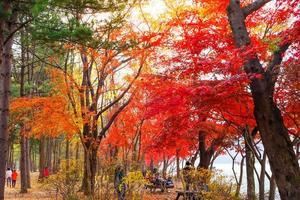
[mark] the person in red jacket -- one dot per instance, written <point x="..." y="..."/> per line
<point x="46" y="172"/>
<point x="14" y="176"/>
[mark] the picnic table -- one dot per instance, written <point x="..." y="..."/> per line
<point x="189" y="195"/>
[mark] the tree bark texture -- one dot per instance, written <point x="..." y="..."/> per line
<point x="89" y="175"/>
<point x="6" y="26"/>
<point x="28" y="161"/>
<point x="205" y="153"/>
<point x="42" y="160"/>
<point x="23" y="165"/>
<point x="49" y="153"/>
<point x="262" y="177"/>
<point x="177" y="164"/>
<point x="250" y="160"/>
<point x="23" y="139"/>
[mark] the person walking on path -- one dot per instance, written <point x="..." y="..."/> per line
<point x="118" y="182"/>
<point x="8" y="177"/>
<point x="14" y="178"/>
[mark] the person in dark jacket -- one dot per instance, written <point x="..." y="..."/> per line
<point x="186" y="173"/>
<point x="118" y="182"/>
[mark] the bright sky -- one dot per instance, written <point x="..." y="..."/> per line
<point x="155" y="8"/>
<point x="152" y="9"/>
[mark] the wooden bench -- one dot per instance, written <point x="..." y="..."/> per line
<point x="189" y="195"/>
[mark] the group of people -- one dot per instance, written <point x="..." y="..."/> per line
<point x="11" y="177"/>
<point x="156" y="179"/>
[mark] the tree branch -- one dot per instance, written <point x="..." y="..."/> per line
<point x="121" y="95"/>
<point x="273" y="67"/>
<point x="249" y="9"/>
<point x="112" y="119"/>
<point x="11" y="34"/>
<point x="277" y="57"/>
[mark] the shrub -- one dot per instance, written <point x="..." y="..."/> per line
<point x="104" y="188"/>
<point x="135" y="183"/>
<point x="66" y="181"/>
<point x="211" y="184"/>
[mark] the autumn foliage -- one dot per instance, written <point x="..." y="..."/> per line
<point x="187" y="88"/>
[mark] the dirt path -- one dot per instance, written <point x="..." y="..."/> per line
<point x="160" y="196"/>
<point x="35" y="193"/>
<point x="14" y="193"/>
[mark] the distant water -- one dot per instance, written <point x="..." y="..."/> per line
<point x="224" y="164"/>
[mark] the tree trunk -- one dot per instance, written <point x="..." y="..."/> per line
<point x="165" y="167"/>
<point x="177" y="164"/>
<point x="250" y="160"/>
<point x="11" y="157"/>
<point x="42" y="150"/>
<point x="280" y="152"/>
<point x="6" y="26"/>
<point x="214" y="157"/>
<point x="67" y="156"/>
<point x="23" y="164"/>
<point x="77" y="155"/>
<point x="205" y="154"/>
<point x="3" y="119"/>
<point x="56" y="155"/>
<point x="90" y="167"/>
<point x="10" y="150"/>
<point x="67" y="161"/>
<point x="28" y="161"/>
<point x="30" y="164"/>
<point x="24" y="159"/>
<point x="136" y="151"/>
<point x="194" y="158"/>
<point x="272" y="188"/>
<point x="33" y="157"/>
<point x="262" y="178"/>
<point x="77" y="151"/>
<point x="151" y="167"/>
<point x="278" y="146"/>
<point x="239" y="182"/>
<point x="55" y="147"/>
<point x="49" y="154"/>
